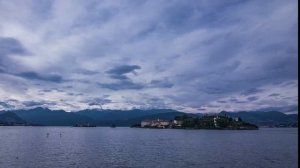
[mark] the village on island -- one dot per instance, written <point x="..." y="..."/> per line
<point x="204" y="122"/>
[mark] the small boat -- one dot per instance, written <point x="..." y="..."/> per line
<point x="113" y="126"/>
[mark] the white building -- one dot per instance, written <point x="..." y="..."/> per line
<point x="236" y="119"/>
<point x="159" y="123"/>
<point x="177" y="122"/>
<point x="145" y="123"/>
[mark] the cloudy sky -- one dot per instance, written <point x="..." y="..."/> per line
<point x="192" y="55"/>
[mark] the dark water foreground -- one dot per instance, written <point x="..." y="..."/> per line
<point x="134" y="147"/>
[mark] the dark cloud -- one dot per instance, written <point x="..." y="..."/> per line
<point x="10" y="46"/>
<point x="86" y="72"/>
<point x="213" y="90"/>
<point x="30" y="75"/>
<point x="51" y="90"/>
<point x="123" y="69"/>
<point x="47" y="90"/>
<point x="58" y="90"/>
<point x="222" y="101"/>
<point x="38" y="103"/>
<point x="122" y="85"/>
<point x="125" y="83"/>
<point x="32" y="103"/>
<point x="252" y="98"/>
<point x="118" y="76"/>
<point x="6" y="105"/>
<point x="79" y="94"/>
<point x="36" y="76"/>
<point x="161" y="84"/>
<point x="234" y="100"/>
<point x="74" y="94"/>
<point x="129" y="84"/>
<point x="274" y="95"/>
<point x="13" y="100"/>
<point x="212" y="106"/>
<point x="2" y="71"/>
<point x="251" y="91"/>
<point x="120" y="71"/>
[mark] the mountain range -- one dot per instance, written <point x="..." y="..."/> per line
<point x="47" y="117"/>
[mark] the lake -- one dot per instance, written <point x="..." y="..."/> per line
<point x="136" y="147"/>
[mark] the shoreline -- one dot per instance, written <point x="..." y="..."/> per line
<point x="155" y="128"/>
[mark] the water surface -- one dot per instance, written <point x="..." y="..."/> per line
<point x="136" y="147"/>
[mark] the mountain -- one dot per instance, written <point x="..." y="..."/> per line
<point x="165" y="116"/>
<point x="47" y="117"/>
<point x="127" y="117"/>
<point x="128" y="122"/>
<point x="107" y="115"/>
<point x="271" y="118"/>
<point x="10" y="118"/>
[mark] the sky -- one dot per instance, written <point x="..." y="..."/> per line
<point x="193" y="55"/>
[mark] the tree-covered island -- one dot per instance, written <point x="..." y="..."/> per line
<point x="204" y="122"/>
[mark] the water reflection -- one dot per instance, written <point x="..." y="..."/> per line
<point x="134" y="147"/>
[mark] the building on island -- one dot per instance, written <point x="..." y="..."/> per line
<point x="177" y="123"/>
<point x="157" y="123"/>
<point x="215" y="121"/>
<point x="145" y="123"/>
<point x="160" y="123"/>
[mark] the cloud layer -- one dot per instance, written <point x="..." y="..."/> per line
<point x="195" y="55"/>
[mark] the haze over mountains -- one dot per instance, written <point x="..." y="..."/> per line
<point x="47" y="117"/>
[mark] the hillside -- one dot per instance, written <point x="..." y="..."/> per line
<point x="47" y="117"/>
<point x="132" y="121"/>
<point x="271" y="118"/>
<point x="10" y="118"/>
<point x="109" y="115"/>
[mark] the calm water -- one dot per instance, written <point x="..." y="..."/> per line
<point x="135" y="147"/>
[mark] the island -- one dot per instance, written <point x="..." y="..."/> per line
<point x="204" y="122"/>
